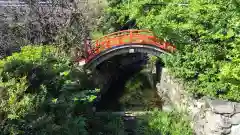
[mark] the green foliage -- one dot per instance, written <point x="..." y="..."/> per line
<point x="163" y="123"/>
<point x="42" y="92"/>
<point x="106" y="125"/>
<point x="138" y="94"/>
<point x="156" y="123"/>
<point x="206" y="34"/>
<point x="96" y="34"/>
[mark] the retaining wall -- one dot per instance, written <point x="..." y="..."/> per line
<point x="209" y="116"/>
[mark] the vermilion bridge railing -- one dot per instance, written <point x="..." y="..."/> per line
<point x="126" y="37"/>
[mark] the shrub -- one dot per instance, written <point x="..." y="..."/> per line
<point x="164" y="123"/>
<point x="42" y="92"/>
<point x="106" y="125"/>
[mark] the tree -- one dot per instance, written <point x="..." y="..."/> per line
<point x="205" y="33"/>
<point x="60" y="22"/>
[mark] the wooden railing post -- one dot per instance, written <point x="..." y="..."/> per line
<point x="120" y="40"/>
<point x="108" y="43"/>
<point x="131" y="36"/>
<point x="165" y="45"/>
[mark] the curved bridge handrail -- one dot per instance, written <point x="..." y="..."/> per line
<point x="131" y="36"/>
<point x="125" y="31"/>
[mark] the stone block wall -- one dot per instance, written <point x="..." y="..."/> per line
<point x="209" y="116"/>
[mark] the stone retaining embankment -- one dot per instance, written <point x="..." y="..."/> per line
<point x="209" y="116"/>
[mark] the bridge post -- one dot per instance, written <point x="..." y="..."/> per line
<point x="131" y="36"/>
<point x="159" y="64"/>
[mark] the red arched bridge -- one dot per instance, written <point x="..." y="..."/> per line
<point x="126" y="41"/>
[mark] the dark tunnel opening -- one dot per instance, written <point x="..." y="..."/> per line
<point x="109" y="100"/>
<point x="116" y="89"/>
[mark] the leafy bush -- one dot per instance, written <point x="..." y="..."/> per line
<point x="164" y="123"/>
<point x="42" y="92"/>
<point x="106" y="125"/>
<point x="206" y="34"/>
